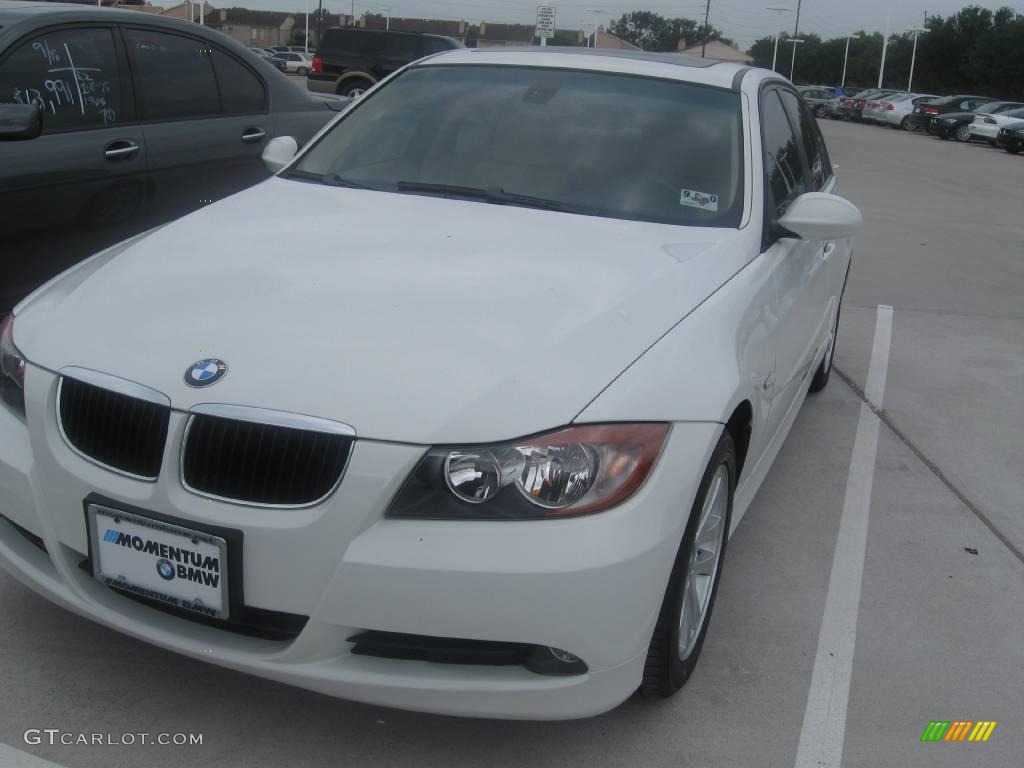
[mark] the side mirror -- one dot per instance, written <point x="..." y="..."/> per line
<point x="279" y="152"/>
<point x="20" y="121"/>
<point x="820" y="216"/>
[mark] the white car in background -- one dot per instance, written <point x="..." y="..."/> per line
<point x="894" y="110"/>
<point x="293" y="63"/>
<point x="986" y="127"/>
<point x="476" y="445"/>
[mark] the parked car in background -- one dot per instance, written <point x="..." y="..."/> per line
<point x="894" y="110"/>
<point x="263" y="53"/>
<point x="350" y="60"/>
<point x="986" y="126"/>
<point x="820" y="99"/>
<point x="294" y="63"/>
<point x="1011" y="137"/>
<point x="922" y="115"/>
<point x="442" y="514"/>
<point x="172" y="116"/>
<point x="958" y="124"/>
<point x="851" y="108"/>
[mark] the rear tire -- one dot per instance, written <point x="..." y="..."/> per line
<point x="1013" y="150"/>
<point x="670" y="662"/>
<point x="355" y="87"/>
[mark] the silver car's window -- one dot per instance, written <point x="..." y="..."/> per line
<point x="578" y="141"/>
<point x="70" y="74"/>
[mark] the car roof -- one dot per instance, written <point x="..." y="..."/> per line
<point x="673" y="66"/>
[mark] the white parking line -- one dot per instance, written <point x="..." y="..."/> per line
<point x="15" y="758"/>
<point x="824" y="728"/>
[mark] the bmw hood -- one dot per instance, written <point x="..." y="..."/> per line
<point x="410" y="318"/>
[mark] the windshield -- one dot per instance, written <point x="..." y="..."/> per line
<point x="579" y="142"/>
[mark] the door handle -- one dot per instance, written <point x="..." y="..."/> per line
<point x="830" y="248"/>
<point x="121" y="149"/>
<point x="253" y="135"/>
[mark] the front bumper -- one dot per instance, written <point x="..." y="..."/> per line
<point x="592" y="585"/>
<point x="919" y="121"/>
<point x="1015" y="141"/>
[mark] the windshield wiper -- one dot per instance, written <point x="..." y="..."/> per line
<point x="336" y="180"/>
<point x="488" y="194"/>
<point x="331" y="179"/>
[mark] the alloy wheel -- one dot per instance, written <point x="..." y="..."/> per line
<point x="705" y="557"/>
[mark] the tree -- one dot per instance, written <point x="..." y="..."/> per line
<point x="654" y="32"/>
<point x="973" y="51"/>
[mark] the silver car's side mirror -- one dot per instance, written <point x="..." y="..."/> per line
<point x="279" y="152"/>
<point x="20" y="121"/>
<point x="821" y="216"/>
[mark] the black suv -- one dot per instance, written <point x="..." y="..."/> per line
<point x="349" y="60"/>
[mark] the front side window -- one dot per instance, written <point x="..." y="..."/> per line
<point x="581" y="142"/>
<point x="807" y="129"/>
<point x="783" y="167"/>
<point x="173" y="75"/>
<point x="70" y="74"/>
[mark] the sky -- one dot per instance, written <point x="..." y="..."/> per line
<point x="742" y="20"/>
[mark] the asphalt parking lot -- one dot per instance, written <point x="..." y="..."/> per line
<point x="908" y="466"/>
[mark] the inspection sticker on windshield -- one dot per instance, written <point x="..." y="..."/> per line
<point x="695" y="199"/>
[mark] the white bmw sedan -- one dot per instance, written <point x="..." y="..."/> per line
<point x="456" y="412"/>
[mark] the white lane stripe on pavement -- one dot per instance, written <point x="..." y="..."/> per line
<point x="824" y="728"/>
<point x="15" y="758"/>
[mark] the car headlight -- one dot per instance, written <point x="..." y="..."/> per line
<point x="573" y="471"/>
<point x="12" y="368"/>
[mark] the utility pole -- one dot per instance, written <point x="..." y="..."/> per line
<point x="796" y="34"/>
<point x="704" y="45"/>
<point x="319" y="16"/>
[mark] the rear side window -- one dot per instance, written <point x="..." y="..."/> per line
<point x="782" y="165"/>
<point x="242" y="92"/>
<point x="435" y="45"/>
<point x="173" y="74"/>
<point x="71" y="75"/>
<point x="400" y="46"/>
<point x="810" y="137"/>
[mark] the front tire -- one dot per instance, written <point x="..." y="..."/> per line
<point x="820" y="112"/>
<point x="303" y="71"/>
<point x="686" y="609"/>
<point x="963" y="133"/>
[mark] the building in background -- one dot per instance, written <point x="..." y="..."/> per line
<point x="716" y="49"/>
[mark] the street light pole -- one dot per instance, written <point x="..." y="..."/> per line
<point x="792" y="64"/>
<point x="913" y="57"/>
<point x="885" y="45"/>
<point x="778" y="31"/>
<point x="846" y="55"/>
<point x="597" y="12"/>
<point x="796" y="33"/>
<point x="387" y="21"/>
<point x="306" y="41"/>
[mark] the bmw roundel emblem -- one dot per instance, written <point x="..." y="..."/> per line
<point x="165" y="569"/>
<point x="205" y="372"/>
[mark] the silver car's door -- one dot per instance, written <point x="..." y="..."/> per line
<point x="205" y="115"/>
<point x="797" y="262"/>
<point x="79" y="186"/>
